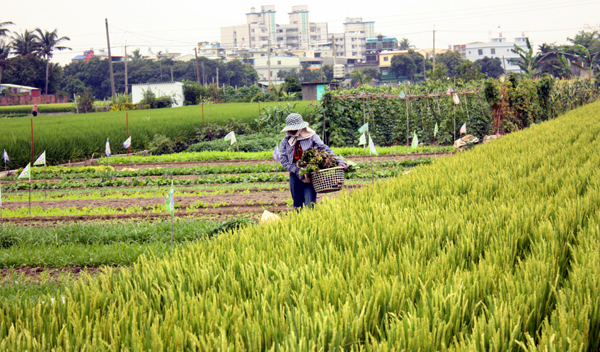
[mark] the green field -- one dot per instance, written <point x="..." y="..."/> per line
<point x="77" y="136"/>
<point x="42" y="108"/>
<point x="494" y="249"/>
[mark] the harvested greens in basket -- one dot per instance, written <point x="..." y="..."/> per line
<point x="314" y="160"/>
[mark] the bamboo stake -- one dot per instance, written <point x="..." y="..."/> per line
<point x="172" y="230"/>
<point x="45" y="182"/>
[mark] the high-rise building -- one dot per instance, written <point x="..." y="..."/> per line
<point x="352" y="43"/>
<point x="260" y="27"/>
<point x="262" y="32"/>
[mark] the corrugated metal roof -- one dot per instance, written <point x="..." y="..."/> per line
<point x="8" y="85"/>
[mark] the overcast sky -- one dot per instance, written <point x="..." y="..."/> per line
<point x="177" y="25"/>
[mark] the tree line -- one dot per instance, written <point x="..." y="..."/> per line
<point x="25" y="60"/>
<point x="583" y="51"/>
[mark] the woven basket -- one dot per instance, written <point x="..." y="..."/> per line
<point x="328" y="180"/>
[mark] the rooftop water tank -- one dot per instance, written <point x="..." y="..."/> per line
<point x="339" y="71"/>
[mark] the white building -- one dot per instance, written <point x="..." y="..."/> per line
<point x="352" y="43"/>
<point x="499" y="48"/>
<point x="277" y="63"/>
<point x="261" y="30"/>
<point x="174" y="89"/>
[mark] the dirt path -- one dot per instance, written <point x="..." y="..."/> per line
<point x="34" y="274"/>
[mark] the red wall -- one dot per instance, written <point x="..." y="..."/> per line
<point x="28" y="100"/>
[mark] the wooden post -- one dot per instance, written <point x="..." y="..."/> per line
<point x="127" y="122"/>
<point x="126" y="88"/>
<point x="45" y="181"/>
<point x="197" y="69"/>
<point x="110" y="67"/>
<point x="202" y="115"/>
<point x="32" y="148"/>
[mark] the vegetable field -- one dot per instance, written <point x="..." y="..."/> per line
<point x="493" y="249"/>
<point x="77" y="136"/>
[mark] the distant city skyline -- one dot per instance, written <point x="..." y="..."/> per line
<point x="179" y="26"/>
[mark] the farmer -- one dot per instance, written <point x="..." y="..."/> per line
<point x="300" y="138"/>
<point x="34" y="111"/>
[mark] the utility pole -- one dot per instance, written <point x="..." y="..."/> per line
<point x="434" y="47"/>
<point x="126" y="88"/>
<point x="269" y="61"/>
<point x="197" y="69"/>
<point x="112" y="76"/>
<point x="217" y="77"/>
<point x="333" y="46"/>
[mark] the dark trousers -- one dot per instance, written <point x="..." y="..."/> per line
<point x="303" y="194"/>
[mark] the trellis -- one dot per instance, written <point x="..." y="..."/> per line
<point x="408" y="99"/>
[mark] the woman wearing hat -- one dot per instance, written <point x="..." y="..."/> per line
<point x="300" y="138"/>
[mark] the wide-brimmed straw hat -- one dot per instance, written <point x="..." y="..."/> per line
<point x="294" y="122"/>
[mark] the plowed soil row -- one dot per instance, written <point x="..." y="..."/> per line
<point x="222" y="205"/>
<point x="355" y="158"/>
<point x="219" y="212"/>
<point x="54" y="273"/>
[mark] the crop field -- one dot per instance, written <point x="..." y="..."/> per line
<point x="42" y="108"/>
<point x="78" y="136"/>
<point x="210" y="190"/>
<point x="493" y="249"/>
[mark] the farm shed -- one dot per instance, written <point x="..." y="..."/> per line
<point x="21" y="90"/>
<point x="313" y="90"/>
<point x="159" y="89"/>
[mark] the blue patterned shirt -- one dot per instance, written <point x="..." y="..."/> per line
<point x="286" y="151"/>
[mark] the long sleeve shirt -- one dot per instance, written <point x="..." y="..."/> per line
<point x="286" y="152"/>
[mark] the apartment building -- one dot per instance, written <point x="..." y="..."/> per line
<point x="498" y="47"/>
<point x="262" y="31"/>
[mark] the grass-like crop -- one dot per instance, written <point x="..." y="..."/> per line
<point x="42" y="108"/>
<point x="95" y="244"/>
<point x="76" y="136"/>
<point x="494" y="249"/>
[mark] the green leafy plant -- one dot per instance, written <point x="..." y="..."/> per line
<point x="314" y="160"/>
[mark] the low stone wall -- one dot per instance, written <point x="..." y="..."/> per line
<point x="29" y="100"/>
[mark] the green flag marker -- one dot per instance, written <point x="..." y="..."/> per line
<point x="26" y="173"/>
<point x="415" y="141"/>
<point x="170" y="201"/>
<point x="41" y="160"/>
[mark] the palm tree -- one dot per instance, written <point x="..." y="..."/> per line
<point x="361" y="78"/>
<point x="405" y="44"/>
<point x="4" y="51"/>
<point x="587" y="59"/>
<point x="277" y="92"/>
<point x="48" y="42"/>
<point x="136" y="55"/>
<point x="4" y="31"/>
<point x="24" y="44"/>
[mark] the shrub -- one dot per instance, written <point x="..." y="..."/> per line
<point x="161" y="144"/>
<point x="85" y="101"/>
<point x="149" y="99"/>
